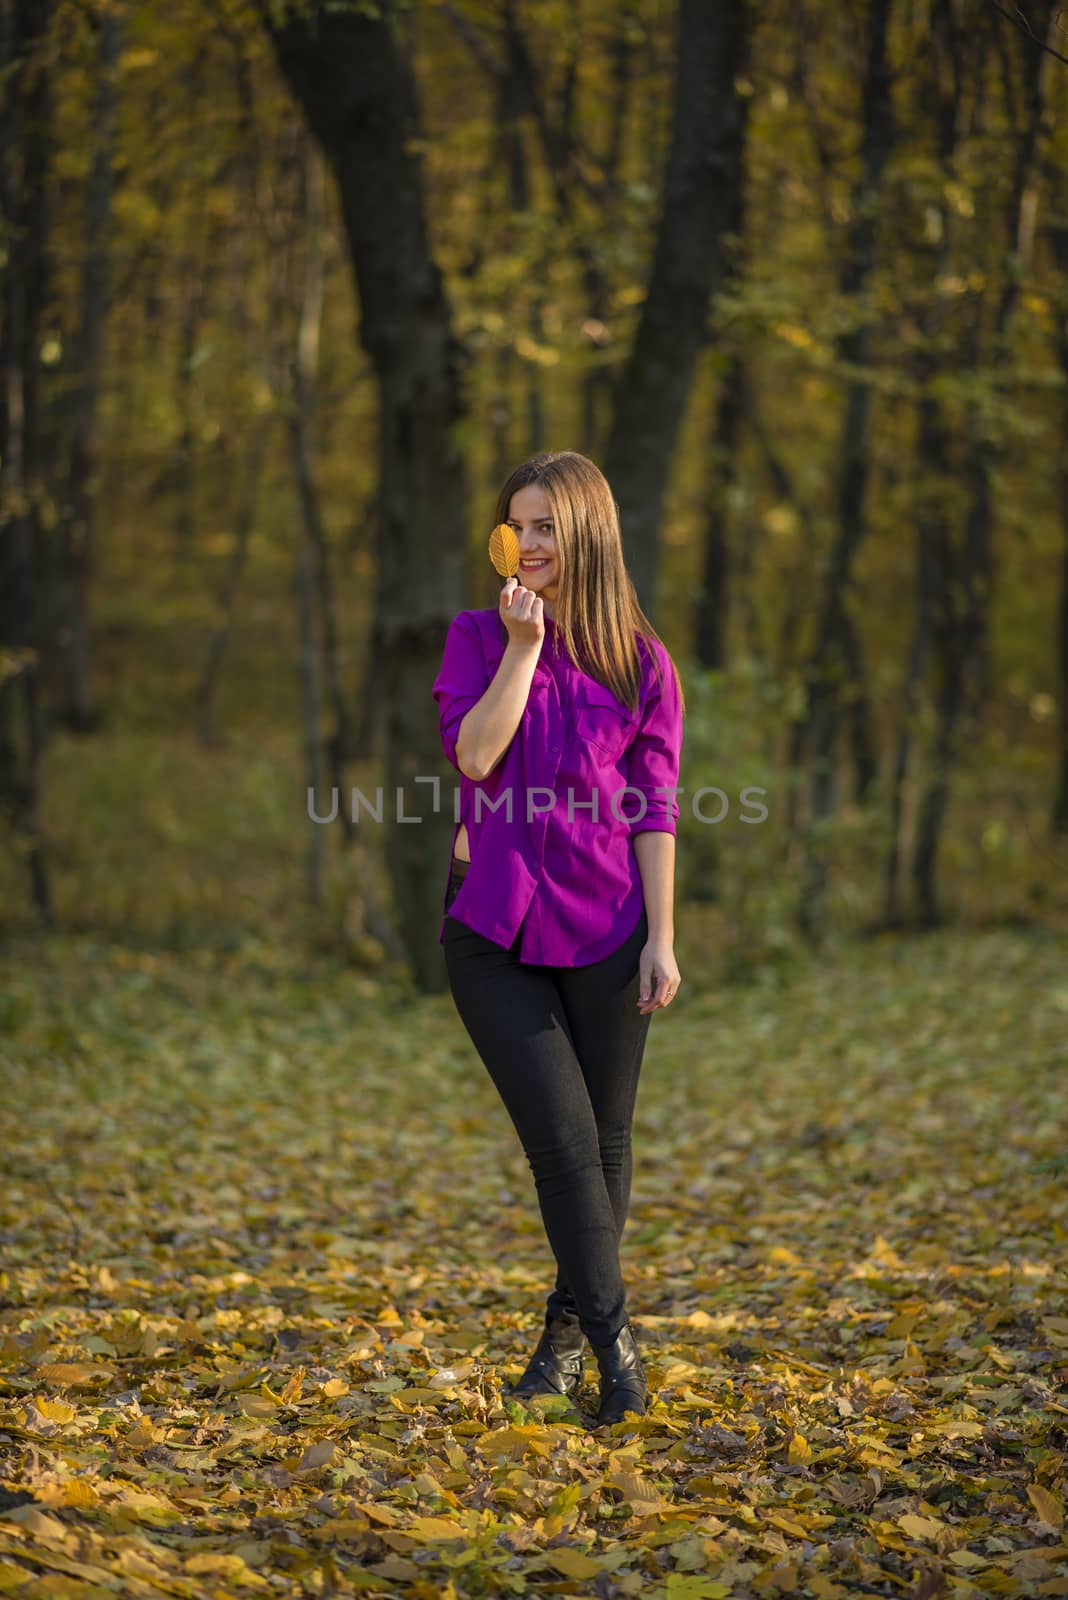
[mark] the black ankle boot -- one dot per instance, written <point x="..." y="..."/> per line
<point x="556" y="1367"/>
<point x="623" y="1386"/>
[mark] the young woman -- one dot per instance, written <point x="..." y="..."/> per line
<point x="562" y="711"/>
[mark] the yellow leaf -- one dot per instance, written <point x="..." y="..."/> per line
<point x="883" y="1250"/>
<point x="920" y="1527"/>
<point x="637" y="1491"/>
<point x="76" y="1374"/>
<point x="444" y="1377"/>
<point x="798" y="1449"/>
<point x="902" y="1325"/>
<point x="48" y="1529"/>
<point x="344" y="1527"/>
<point x="378" y="1513"/>
<point x="144" y="1433"/>
<point x="395" y="1566"/>
<point x="293" y="1387"/>
<point x="68" y="1492"/>
<point x="436" y="1528"/>
<point x="504" y="550"/>
<point x="958" y="1428"/>
<point x="1046" y="1504"/>
<point x="254" y="1405"/>
<point x="227" y="1566"/>
<point x="572" y="1563"/>
<point x="56" y="1410"/>
<point x="146" y="1506"/>
<point x="796" y="1530"/>
<point x="517" y="1441"/>
<point x="968" y="1558"/>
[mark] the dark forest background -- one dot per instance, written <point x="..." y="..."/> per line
<point x="287" y="290"/>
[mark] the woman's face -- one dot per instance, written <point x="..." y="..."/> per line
<point x="530" y="517"/>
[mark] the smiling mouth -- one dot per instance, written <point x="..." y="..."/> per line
<point x="531" y="566"/>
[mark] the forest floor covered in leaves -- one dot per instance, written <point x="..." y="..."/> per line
<point x="269" y="1251"/>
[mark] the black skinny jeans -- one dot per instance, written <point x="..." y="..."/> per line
<point x="564" y="1047"/>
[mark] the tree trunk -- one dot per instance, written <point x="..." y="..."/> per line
<point x="837" y="664"/>
<point x="714" y="598"/>
<point x="352" y="75"/>
<point x="938" y="581"/>
<point x="25" y="152"/>
<point x="597" y="380"/>
<point x="76" y="537"/>
<point x="790" y="618"/>
<point x="311" y="721"/>
<point x="939" y="91"/>
<point x="302" y="442"/>
<point x="704" y="170"/>
<point x="950" y="637"/>
<point x="962" y="578"/>
<point x="226" y="604"/>
<point x="985" y="449"/>
<point x="713" y="601"/>
<point x="261" y="339"/>
<point x="932" y="459"/>
<point x="1058" y="235"/>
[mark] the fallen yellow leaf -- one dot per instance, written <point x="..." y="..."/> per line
<point x="76" y="1374"/>
<point x="637" y="1491"/>
<point x="798" y="1449"/>
<point x="1046" y="1504"/>
<point x="920" y="1527"/>
<point x="56" y="1410"/>
<point x="573" y="1563"/>
<point x="436" y="1528"/>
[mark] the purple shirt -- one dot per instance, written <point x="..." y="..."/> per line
<point x="572" y="885"/>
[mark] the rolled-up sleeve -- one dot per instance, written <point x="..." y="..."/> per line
<point x="461" y="681"/>
<point x="654" y="755"/>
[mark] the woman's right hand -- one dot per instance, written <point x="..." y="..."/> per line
<point x="522" y="612"/>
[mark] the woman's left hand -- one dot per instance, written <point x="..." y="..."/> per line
<point x="659" y="975"/>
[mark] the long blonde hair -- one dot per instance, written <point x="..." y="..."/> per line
<point x="598" y="618"/>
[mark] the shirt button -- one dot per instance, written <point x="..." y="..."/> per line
<point x="554" y="749"/>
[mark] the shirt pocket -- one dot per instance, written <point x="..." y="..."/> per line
<point x="603" y="721"/>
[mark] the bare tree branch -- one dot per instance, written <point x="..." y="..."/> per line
<point x="1024" y="25"/>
